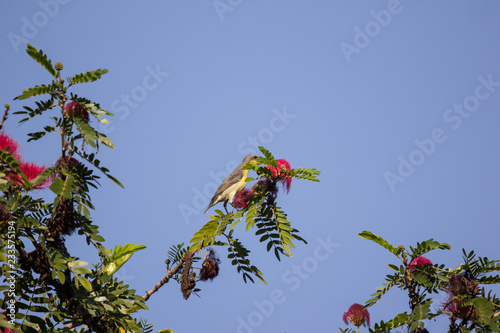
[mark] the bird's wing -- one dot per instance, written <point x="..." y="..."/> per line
<point x="233" y="178"/>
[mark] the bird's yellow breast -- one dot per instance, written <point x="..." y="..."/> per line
<point x="233" y="189"/>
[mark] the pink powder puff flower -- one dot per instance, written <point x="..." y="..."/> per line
<point x="32" y="170"/>
<point x="73" y="109"/>
<point x="242" y="198"/>
<point x="357" y="316"/>
<point x="279" y="173"/>
<point x="8" y="143"/>
<point x="418" y="261"/>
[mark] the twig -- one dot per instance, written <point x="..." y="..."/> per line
<point x="170" y="273"/>
<point x="7" y="108"/>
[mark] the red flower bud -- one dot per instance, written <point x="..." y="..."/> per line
<point x="73" y="109"/>
<point x="418" y="261"/>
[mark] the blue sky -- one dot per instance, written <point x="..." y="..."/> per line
<point x="393" y="101"/>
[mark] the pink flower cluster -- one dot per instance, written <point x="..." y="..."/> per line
<point x="10" y="145"/>
<point x="30" y="169"/>
<point x="242" y="198"/>
<point x="279" y="175"/>
<point x="73" y="109"/>
<point x="357" y="316"/>
<point x="418" y="261"/>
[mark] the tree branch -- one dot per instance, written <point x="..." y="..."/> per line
<point x="170" y="273"/>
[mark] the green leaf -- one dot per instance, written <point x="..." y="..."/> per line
<point x="304" y="173"/>
<point x="416" y="324"/>
<point x="379" y="240"/>
<point x="43" y="176"/>
<point x="393" y="267"/>
<point x="57" y="186"/>
<point x="489" y="279"/>
<point x="427" y="246"/>
<point x="266" y="153"/>
<point x="95" y="163"/>
<point x="89" y="134"/>
<point x="239" y="254"/>
<point x="28" y="329"/>
<point x="77" y="263"/>
<point x="63" y="188"/>
<point x="36" y="90"/>
<point x="105" y="140"/>
<point x="6" y="324"/>
<point x="97" y="238"/>
<point x="381" y="291"/>
<point x="36" y="320"/>
<point x="61" y="277"/>
<point x="81" y="270"/>
<point x="119" y="256"/>
<point x="483" y="309"/>
<point x="87" y="77"/>
<point x="420" y="312"/>
<point x="398" y="321"/>
<point x="84" y="282"/>
<point x="38" y="308"/>
<point x="42" y="59"/>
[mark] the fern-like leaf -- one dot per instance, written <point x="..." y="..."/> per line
<point x="176" y="252"/>
<point x="427" y="246"/>
<point x="239" y="258"/>
<point x="145" y="327"/>
<point x="305" y="173"/>
<point x="382" y="242"/>
<point x="36" y="90"/>
<point x="42" y="59"/>
<point x="87" y="77"/>
<point x="398" y="321"/>
<point x="392" y="280"/>
<point x="267" y="154"/>
<point x="489" y="279"/>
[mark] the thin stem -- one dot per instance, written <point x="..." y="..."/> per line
<point x="6" y="113"/>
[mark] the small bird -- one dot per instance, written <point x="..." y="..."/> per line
<point x="234" y="183"/>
